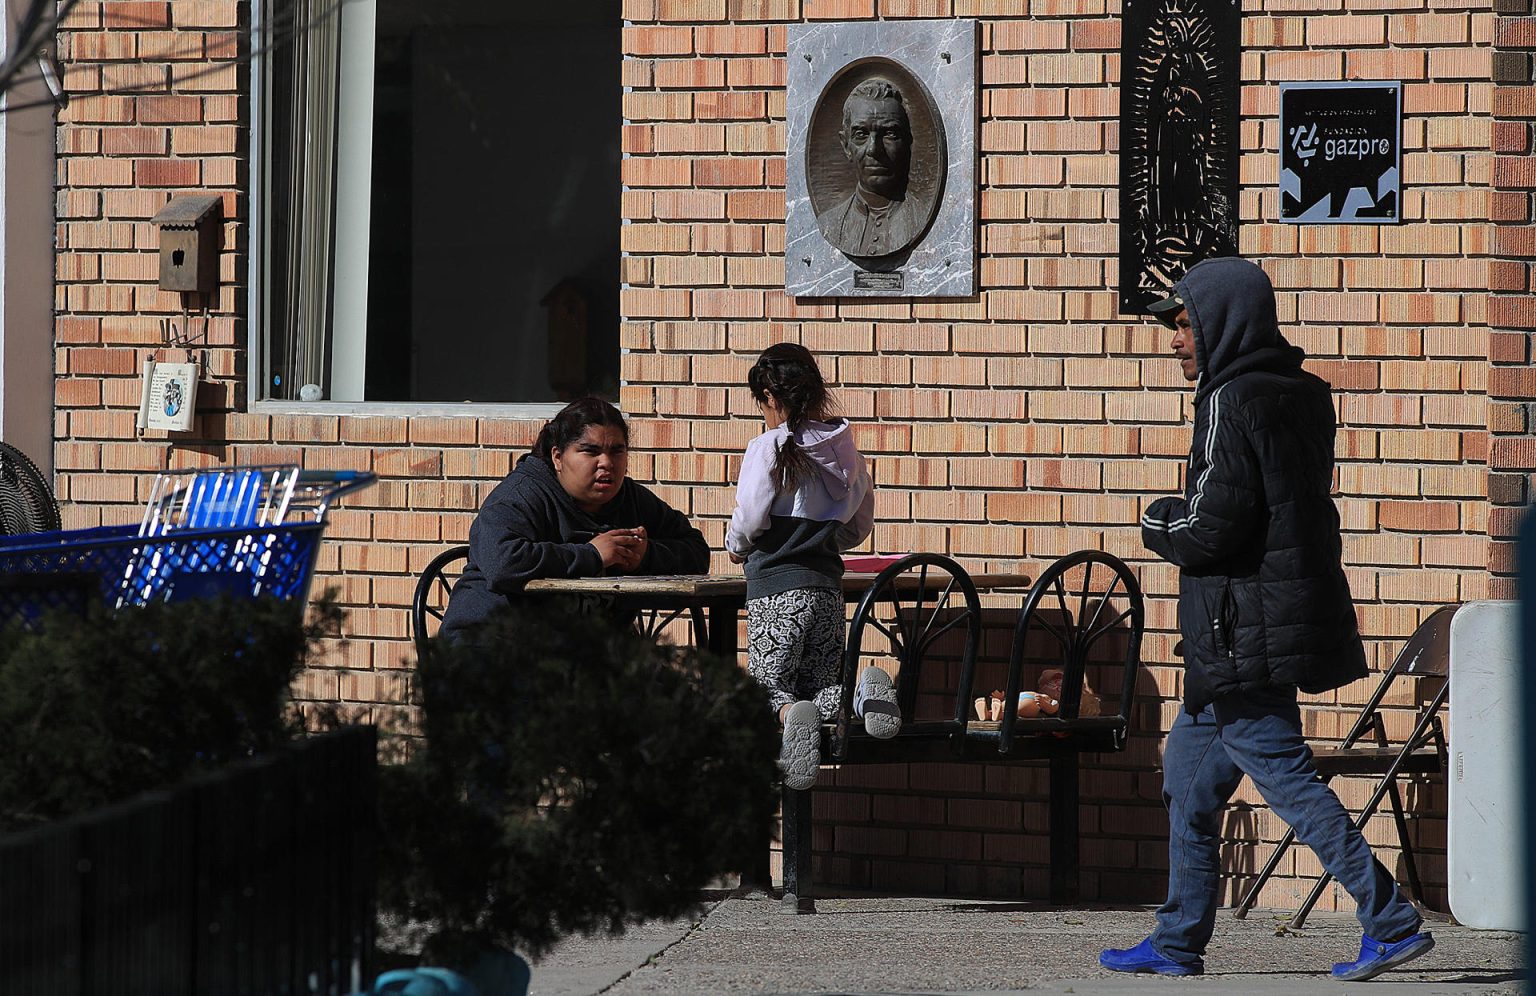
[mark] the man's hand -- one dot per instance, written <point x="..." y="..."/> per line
<point x="737" y="560"/>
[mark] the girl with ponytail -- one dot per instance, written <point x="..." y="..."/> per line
<point x="804" y="496"/>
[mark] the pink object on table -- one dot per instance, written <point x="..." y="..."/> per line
<point x="871" y="565"/>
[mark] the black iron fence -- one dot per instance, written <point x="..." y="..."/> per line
<point x="256" y="880"/>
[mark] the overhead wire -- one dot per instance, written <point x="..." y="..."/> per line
<point x="278" y="32"/>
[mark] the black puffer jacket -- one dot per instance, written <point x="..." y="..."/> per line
<point x="1263" y="600"/>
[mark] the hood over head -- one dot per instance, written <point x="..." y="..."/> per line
<point x="538" y="471"/>
<point x="1231" y="306"/>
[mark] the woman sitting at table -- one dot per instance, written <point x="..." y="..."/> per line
<point x="567" y="511"/>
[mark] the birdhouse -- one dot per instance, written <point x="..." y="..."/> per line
<point x="189" y="243"/>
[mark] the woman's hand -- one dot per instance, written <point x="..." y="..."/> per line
<point x="622" y="548"/>
<point x="737" y="560"/>
<point x="640" y="546"/>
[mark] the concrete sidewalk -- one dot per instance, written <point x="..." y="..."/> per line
<point x="911" y="946"/>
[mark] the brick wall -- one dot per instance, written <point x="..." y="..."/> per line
<point x="1032" y="420"/>
<point x="1006" y="429"/>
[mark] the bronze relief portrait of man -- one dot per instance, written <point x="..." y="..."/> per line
<point x="875" y="162"/>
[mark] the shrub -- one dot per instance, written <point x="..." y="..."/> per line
<point x="575" y="777"/>
<point x="97" y="709"/>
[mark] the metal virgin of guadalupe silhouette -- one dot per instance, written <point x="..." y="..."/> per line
<point x="1179" y="134"/>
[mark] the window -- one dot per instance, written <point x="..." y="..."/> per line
<point x="438" y="201"/>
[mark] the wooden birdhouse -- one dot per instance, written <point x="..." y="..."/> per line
<point x="189" y="243"/>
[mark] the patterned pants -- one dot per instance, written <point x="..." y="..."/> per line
<point x="795" y="647"/>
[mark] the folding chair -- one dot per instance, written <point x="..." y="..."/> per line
<point x="1427" y="654"/>
<point x="220" y="498"/>
<point x="239" y="501"/>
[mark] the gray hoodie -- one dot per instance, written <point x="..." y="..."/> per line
<point x="795" y="539"/>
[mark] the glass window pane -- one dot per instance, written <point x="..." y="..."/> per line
<point x="494" y="189"/>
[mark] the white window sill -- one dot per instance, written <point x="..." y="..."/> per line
<point x="410" y="409"/>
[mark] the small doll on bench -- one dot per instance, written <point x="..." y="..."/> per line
<point x="1044" y="701"/>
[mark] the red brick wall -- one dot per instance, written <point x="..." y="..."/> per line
<point x="1007" y="429"/>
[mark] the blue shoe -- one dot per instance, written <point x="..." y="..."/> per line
<point x="1378" y="956"/>
<point x="1142" y="958"/>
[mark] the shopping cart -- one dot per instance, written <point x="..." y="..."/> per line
<point x="249" y="532"/>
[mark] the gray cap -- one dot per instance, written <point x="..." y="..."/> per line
<point x="1167" y="310"/>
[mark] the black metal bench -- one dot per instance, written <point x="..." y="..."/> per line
<point x="1078" y="602"/>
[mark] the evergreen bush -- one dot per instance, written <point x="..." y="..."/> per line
<point x="99" y="708"/>
<point x="575" y="777"/>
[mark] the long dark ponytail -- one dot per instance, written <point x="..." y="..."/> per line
<point x="572" y="422"/>
<point x="788" y="372"/>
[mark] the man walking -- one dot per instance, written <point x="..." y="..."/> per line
<point x="1264" y="610"/>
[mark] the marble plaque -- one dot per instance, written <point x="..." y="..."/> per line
<point x="881" y="178"/>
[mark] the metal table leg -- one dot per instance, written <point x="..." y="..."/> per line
<point x="724" y="614"/>
<point x="797" y="852"/>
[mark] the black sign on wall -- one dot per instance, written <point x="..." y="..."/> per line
<point x="1178" y="141"/>
<point x="1341" y="152"/>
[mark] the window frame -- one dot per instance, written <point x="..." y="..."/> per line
<point x="258" y="267"/>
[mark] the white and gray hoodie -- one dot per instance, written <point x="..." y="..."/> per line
<point x="795" y="539"/>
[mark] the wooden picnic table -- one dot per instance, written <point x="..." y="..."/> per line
<point x="715" y="601"/>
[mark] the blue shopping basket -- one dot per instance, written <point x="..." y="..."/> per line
<point x="246" y="532"/>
